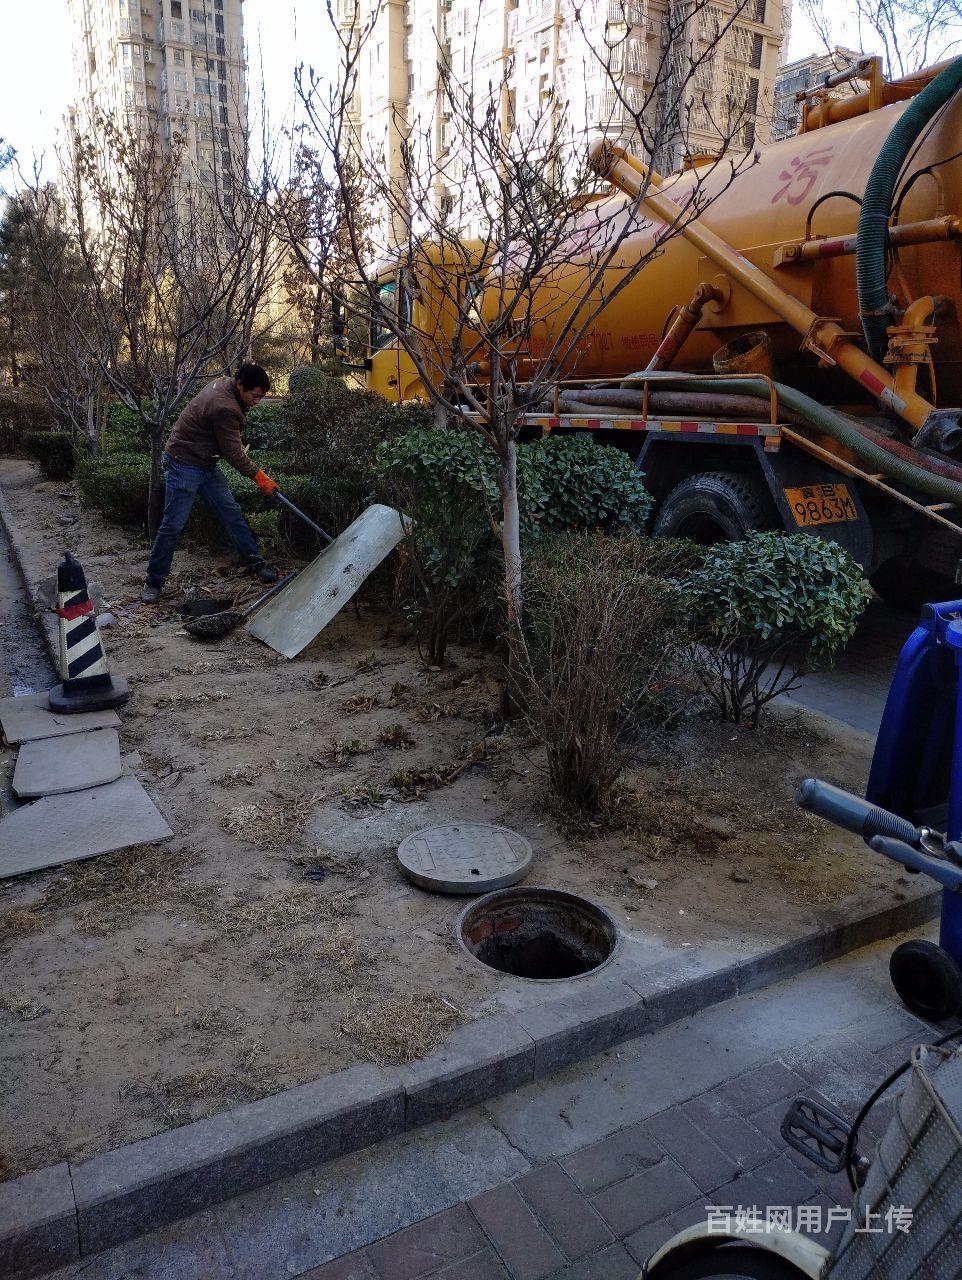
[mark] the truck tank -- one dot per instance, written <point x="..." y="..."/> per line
<point x="804" y="188"/>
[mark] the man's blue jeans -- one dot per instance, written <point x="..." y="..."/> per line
<point x="183" y="483"/>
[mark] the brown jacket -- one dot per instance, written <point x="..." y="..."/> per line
<point x="209" y="428"/>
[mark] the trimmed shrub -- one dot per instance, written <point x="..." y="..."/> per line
<point x="265" y="427"/>
<point x="21" y="411"/>
<point x="589" y="486"/>
<point x="308" y="377"/>
<point x="767" y="610"/>
<point x="124" y="432"/>
<point x="116" y="486"/>
<point x="53" y="452"/>
<point x="445" y="479"/>
<point x="604" y="631"/>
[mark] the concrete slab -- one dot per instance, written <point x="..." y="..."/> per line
<point x="30" y="719"/>
<point x="52" y="766"/>
<point x="291" y="620"/>
<point x="83" y="824"/>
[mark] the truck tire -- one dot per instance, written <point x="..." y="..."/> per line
<point x="715" y="506"/>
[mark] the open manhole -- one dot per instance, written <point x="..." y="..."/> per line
<point x="543" y="934"/>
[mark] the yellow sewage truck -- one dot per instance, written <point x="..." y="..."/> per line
<point x="790" y="358"/>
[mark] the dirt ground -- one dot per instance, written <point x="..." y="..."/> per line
<point x="273" y="939"/>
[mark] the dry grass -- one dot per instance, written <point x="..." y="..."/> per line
<point x="191" y="699"/>
<point x="389" y="1032"/>
<point x="415" y="782"/>
<point x="113" y="888"/>
<point x="241" y="776"/>
<point x="23" y="1009"/>
<point x="358" y="704"/>
<point x="266" y="825"/>
<point x="291" y="908"/>
<point x="213" y="1021"/>
<point x="343" y="951"/>
<point x="18" y="922"/>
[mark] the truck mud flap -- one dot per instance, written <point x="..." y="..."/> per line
<point x="812" y="497"/>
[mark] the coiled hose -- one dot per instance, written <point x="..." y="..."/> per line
<point x="873" y="222"/>
<point x="834" y="424"/>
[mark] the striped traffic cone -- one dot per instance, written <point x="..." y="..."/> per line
<point x="87" y="682"/>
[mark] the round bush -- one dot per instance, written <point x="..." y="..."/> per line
<point x="308" y="377"/>
<point x="767" y="610"/>
<point x="53" y="452"/>
<point x="589" y="486"/>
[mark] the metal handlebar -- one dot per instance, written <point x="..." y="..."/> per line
<point x="916" y="848"/>
<point x="853" y="813"/>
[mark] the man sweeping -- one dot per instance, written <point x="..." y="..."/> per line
<point x="208" y="430"/>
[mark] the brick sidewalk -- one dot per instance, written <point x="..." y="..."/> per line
<point x="598" y="1213"/>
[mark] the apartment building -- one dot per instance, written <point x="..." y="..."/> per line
<point x="173" y="67"/>
<point x="805" y="73"/>
<point x="723" y="56"/>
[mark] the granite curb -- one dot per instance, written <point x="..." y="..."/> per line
<point x="45" y="621"/>
<point x="59" y="1214"/>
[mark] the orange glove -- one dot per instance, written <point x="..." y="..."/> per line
<point x="265" y="483"/>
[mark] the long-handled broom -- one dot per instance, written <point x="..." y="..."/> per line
<point x="212" y="626"/>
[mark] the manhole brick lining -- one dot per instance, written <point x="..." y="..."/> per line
<point x="540" y="934"/>
<point x="464" y="857"/>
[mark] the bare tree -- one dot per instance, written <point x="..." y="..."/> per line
<point x="495" y="290"/>
<point x="169" y="267"/>
<point x="909" y="34"/>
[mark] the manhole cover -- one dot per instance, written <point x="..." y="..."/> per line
<point x="464" y="857"/>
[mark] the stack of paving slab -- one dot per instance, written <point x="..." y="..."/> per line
<point x="82" y="802"/>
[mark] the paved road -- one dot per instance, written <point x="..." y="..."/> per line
<point x="854" y="692"/>
<point x="576" y="1177"/>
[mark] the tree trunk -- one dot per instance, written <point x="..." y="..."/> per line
<point x="511" y="531"/>
<point x="511" y="546"/>
<point x="155" y="499"/>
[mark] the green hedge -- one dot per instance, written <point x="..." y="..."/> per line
<point x="21" y="411"/>
<point x="53" y="452"/>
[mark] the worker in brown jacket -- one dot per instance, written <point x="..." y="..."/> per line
<point x="208" y="430"/>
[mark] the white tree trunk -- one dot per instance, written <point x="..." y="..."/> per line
<point x="511" y="533"/>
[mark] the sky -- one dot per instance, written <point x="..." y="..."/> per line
<point x="35" y="69"/>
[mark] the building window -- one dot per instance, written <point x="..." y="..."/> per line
<point x="758" y="10"/>
<point x="758" y="44"/>
<point x="219" y="23"/>
<point x="178" y="57"/>
<point x="176" y="9"/>
<point x="198" y="16"/>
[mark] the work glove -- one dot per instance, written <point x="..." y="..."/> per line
<point x="265" y="483"/>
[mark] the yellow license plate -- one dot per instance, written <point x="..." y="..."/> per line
<point x="815" y="504"/>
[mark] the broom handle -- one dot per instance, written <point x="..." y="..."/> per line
<point x="297" y="511"/>
<point x="271" y="591"/>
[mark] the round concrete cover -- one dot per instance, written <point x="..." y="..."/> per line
<point x="464" y="857"/>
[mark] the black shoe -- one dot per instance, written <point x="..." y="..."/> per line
<point x="150" y="593"/>
<point x="263" y="571"/>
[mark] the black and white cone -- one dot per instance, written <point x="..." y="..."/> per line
<point x="87" y="682"/>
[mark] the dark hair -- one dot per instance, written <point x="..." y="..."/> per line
<point x="251" y="376"/>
